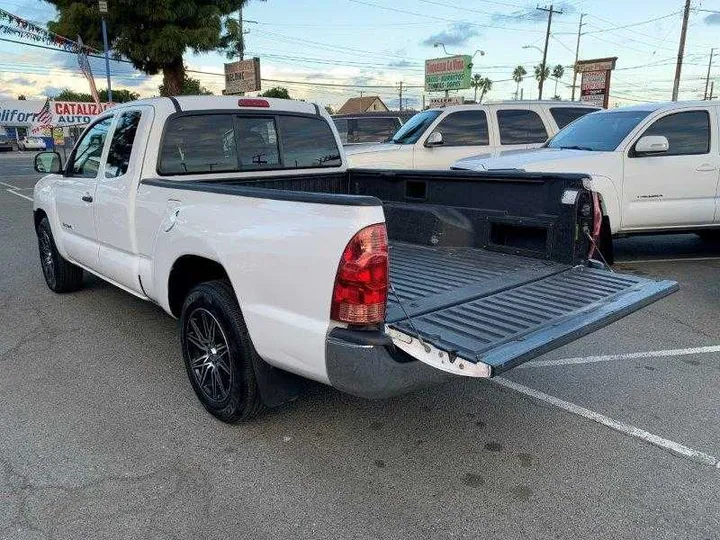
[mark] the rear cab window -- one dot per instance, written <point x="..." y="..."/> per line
<point x="520" y="126"/>
<point x="200" y="143"/>
<point x="565" y="115"/>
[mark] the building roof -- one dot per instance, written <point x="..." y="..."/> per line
<point x="359" y="104"/>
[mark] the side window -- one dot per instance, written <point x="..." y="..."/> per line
<point x="257" y="142"/>
<point x="464" y="128"/>
<point x="520" y="126"/>
<point x="687" y="132"/>
<point x="565" y="115"/>
<point x="203" y="143"/>
<point x="121" y="145"/>
<point x="342" y="126"/>
<point x="307" y="142"/>
<point x="86" y="160"/>
<point x="375" y="129"/>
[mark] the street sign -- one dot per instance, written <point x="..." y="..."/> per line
<point x="242" y="76"/>
<point x="437" y="102"/>
<point x="102" y="5"/>
<point x="595" y="81"/>
<point x="450" y="73"/>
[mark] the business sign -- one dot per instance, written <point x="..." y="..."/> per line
<point x="438" y="102"/>
<point x="24" y="113"/>
<point x="242" y="76"/>
<point x="595" y="80"/>
<point x="450" y="73"/>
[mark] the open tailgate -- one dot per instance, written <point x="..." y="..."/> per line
<point x="487" y="334"/>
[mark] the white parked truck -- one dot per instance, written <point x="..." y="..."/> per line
<point x="240" y="218"/>
<point x="436" y="138"/>
<point x="656" y="166"/>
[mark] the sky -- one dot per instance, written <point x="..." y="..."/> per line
<point x="318" y="48"/>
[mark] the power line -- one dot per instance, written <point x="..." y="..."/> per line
<point x="640" y="23"/>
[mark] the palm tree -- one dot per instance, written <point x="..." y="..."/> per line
<point x="475" y="83"/>
<point x="557" y="72"/>
<point x="485" y="85"/>
<point x="518" y="73"/>
<point x="541" y="75"/>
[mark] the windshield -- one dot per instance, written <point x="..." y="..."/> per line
<point x="599" y="132"/>
<point x="411" y="130"/>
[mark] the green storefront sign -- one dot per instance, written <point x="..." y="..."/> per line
<point x="450" y="73"/>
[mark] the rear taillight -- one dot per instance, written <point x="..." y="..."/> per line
<point x="361" y="284"/>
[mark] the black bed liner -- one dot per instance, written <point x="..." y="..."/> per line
<point x="501" y="309"/>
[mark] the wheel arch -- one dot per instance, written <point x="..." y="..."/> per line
<point x="188" y="271"/>
<point x="38" y="215"/>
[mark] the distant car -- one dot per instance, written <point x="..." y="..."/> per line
<point x="31" y="143"/>
<point x="436" y="138"/>
<point x="5" y="143"/>
<point x="368" y="128"/>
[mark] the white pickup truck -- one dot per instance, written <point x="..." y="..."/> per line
<point x="436" y="138"/>
<point x="656" y="166"/>
<point x="240" y="218"/>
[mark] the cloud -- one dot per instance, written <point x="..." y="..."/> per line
<point x="531" y="14"/>
<point x="713" y="19"/>
<point x="52" y="91"/>
<point x="399" y="64"/>
<point x="456" y="34"/>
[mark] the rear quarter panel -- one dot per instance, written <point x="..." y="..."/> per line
<point x="281" y="257"/>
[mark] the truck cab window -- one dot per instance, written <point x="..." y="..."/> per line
<point x="257" y="142"/>
<point x="520" y="126"/>
<point x="121" y="145"/>
<point x="307" y="142"/>
<point x="687" y="132"/>
<point x="464" y="128"/>
<point x="86" y="159"/>
<point x="202" y="143"/>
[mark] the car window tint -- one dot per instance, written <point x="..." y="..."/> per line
<point x="520" y="126"/>
<point x="687" y="132"/>
<point x="121" y="145"/>
<point x="367" y="130"/>
<point x="86" y="160"/>
<point x="565" y="115"/>
<point x="203" y="143"/>
<point x="307" y="142"/>
<point x="257" y="142"/>
<point x="342" y="126"/>
<point x="464" y="128"/>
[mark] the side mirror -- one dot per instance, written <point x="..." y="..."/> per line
<point x="434" y="139"/>
<point x="652" y="144"/>
<point x="48" y="162"/>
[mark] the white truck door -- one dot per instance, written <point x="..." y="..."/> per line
<point x="520" y="128"/>
<point x="464" y="134"/>
<point x="75" y="194"/>
<point x="115" y="196"/>
<point x="675" y="188"/>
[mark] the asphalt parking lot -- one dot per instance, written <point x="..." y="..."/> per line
<point x="101" y="436"/>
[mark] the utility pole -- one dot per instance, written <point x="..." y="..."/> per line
<point x="103" y="7"/>
<point x="681" y="51"/>
<point x="241" y="36"/>
<point x="707" y="79"/>
<point x="550" y="12"/>
<point x="400" y="90"/>
<point x="712" y="86"/>
<point x="577" y="56"/>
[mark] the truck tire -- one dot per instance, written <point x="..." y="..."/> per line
<point x="218" y="353"/>
<point x="60" y="275"/>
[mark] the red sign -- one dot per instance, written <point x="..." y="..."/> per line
<point x="595" y="81"/>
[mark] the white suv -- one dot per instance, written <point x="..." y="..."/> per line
<point x="436" y="138"/>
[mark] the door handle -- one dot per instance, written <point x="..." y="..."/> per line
<point x="705" y="167"/>
<point x="87" y="198"/>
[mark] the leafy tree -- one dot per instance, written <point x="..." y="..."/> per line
<point x="518" y="73"/>
<point x="329" y="109"/>
<point x="22" y="97"/>
<point x="120" y="95"/>
<point x="190" y="87"/>
<point x="152" y="34"/>
<point x="557" y="72"/>
<point x="277" y="92"/>
<point x="484" y="84"/>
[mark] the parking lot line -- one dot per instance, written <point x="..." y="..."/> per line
<point x="632" y="431"/>
<point x="627" y="356"/>
<point x="678" y="259"/>
<point x="18" y="194"/>
<point x="9" y="185"/>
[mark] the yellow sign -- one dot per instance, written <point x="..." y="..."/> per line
<point x="58" y="137"/>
